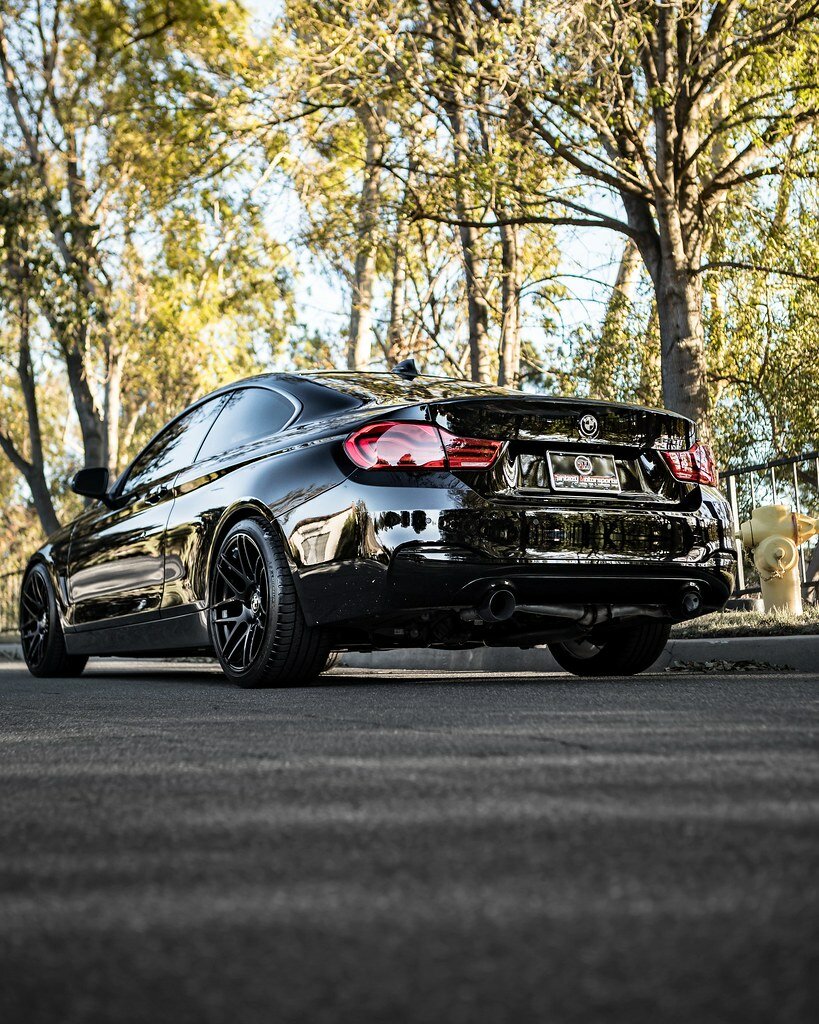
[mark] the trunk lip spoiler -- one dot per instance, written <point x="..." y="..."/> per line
<point x="653" y="439"/>
<point x="558" y="400"/>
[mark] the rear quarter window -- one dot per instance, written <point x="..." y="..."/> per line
<point x="250" y="414"/>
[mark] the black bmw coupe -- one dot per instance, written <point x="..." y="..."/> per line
<point x="288" y="516"/>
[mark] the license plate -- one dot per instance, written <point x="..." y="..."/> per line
<point x="583" y="473"/>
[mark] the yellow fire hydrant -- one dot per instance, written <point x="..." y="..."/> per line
<point x="774" y="534"/>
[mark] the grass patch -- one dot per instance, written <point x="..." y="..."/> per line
<point x="749" y="624"/>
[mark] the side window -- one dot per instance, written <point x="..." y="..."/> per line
<point x="175" y="448"/>
<point x="249" y="415"/>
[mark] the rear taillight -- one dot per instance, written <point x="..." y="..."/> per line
<point x="402" y="445"/>
<point x="469" y="452"/>
<point x="696" y="466"/>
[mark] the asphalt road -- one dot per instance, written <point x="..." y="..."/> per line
<point x="436" y="848"/>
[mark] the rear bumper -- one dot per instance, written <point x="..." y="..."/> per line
<point x="387" y="557"/>
<point x="463" y="585"/>
<point x="364" y="594"/>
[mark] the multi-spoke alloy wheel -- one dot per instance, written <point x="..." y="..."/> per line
<point x="40" y="630"/>
<point x="256" y="623"/>
<point x="34" y="616"/>
<point x="240" y="608"/>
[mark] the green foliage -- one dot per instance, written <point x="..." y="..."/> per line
<point x="167" y="137"/>
<point x="763" y="324"/>
<point x="148" y="251"/>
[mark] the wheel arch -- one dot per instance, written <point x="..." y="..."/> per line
<point x="44" y="558"/>
<point x="245" y="508"/>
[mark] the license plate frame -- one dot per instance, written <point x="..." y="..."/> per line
<point x="569" y="474"/>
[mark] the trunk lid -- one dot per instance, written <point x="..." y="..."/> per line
<point x="616" y="447"/>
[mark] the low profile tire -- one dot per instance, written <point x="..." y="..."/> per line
<point x="621" y="651"/>
<point x="257" y="626"/>
<point x="41" y="633"/>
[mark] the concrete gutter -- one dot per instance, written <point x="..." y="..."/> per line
<point x="795" y="652"/>
<point x="11" y="651"/>
<point x="800" y="653"/>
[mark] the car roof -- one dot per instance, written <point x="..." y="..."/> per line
<point x="388" y="387"/>
<point x="368" y="385"/>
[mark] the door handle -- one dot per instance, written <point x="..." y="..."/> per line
<point x="154" y="497"/>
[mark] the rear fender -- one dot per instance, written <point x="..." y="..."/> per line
<point x="245" y="508"/>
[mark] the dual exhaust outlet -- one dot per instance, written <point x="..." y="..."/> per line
<point x="499" y="603"/>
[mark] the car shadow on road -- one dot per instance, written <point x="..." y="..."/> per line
<point x="209" y="675"/>
<point x="153" y="672"/>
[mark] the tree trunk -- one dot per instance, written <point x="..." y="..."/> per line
<point x="477" y="306"/>
<point x="509" y="361"/>
<point x="398" y="300"/>
<point x="92" y="426"/>
<point x="32" y="469"/>
<point x="602" y="378"/>
<point x="622" y="294"/>
<point x="672" y="256"/>
<point x="359" y="347"/>
<point x="396" y="347"/>
<point x="650" y="367"/>
<point x="113" y="405"/>
<point x="36" y="478"/>
<point x="682" y="343"/>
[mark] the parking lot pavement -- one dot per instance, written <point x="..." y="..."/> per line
<point x="407" y="847"/>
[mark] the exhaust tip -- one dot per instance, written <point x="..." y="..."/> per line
<point x="691" y="600"/>
<point x="497" y="605"/>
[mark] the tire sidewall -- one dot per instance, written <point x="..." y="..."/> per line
<point x="624" y="650"/>
<point x="54" y="647"/>
<point x="254" y="674"/>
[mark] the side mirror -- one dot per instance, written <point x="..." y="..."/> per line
<point x="91" y="482"/>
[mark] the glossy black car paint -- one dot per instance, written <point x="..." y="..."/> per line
<point x="397" y="558"/>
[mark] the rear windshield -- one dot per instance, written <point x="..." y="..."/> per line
<point x="389" y="388"/>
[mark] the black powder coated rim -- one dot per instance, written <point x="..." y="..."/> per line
<point x="34" y="618"/>
<point x="241" y="602"/>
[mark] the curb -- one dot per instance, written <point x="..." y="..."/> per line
<point x="11" y="652"/>
<point x="795" y="652"/>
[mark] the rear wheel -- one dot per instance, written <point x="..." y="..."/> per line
<point x="620" y="651"/>
<point x="257" y="626"/>
<point x="41" y="633"/>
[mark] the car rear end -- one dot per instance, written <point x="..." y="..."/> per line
<point x="524" y="514"/>
<point x="605" y="503"/>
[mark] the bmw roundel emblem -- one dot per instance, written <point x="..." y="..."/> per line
<point x="583" y="465"/>
<point x="588" y="425"/>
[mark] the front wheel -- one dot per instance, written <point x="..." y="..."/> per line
<point x="41" y="633"/>
<point x="620" y="651"/>
<point x="257" y="626"/>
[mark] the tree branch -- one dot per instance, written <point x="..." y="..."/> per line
<point x="22" y="465"/>
<point x="756" y="268"/>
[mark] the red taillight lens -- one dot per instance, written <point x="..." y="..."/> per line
<point x="397" y="445"/>
<point x="469" y="452"/>
<point x="695" y="466"/>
